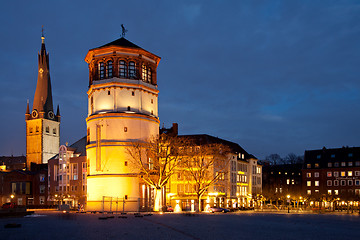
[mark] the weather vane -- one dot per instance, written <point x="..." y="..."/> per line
<point x="42" y="34"/>
<point x="124" y="31"/>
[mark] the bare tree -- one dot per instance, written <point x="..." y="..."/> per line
<point x="156" y="160"/>
<point x="274" y="159"/>
<point x="206" y="165"/>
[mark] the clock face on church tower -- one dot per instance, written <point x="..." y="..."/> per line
<point x="51" y="115"/>
<point x="34" y="113"/>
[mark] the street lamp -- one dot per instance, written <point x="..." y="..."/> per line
<point x="288" y="200"/>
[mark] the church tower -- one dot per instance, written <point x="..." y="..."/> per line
<point x="42" y="125"/>
<point x="122" y="107"/>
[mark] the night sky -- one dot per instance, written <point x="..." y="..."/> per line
<point x="272" y="76"/>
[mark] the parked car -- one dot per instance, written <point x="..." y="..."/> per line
<point x="8" y="205"/>
<point x="169" y="209"/>
<point x="218" y="209"/>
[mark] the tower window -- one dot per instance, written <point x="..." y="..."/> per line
<point x="30" y="130"/>
<point x="101" y="70"/>
<point x="109" y="92"/>
<point x="109" y="69"/>
<point x="88" y="136"/>
<point x="37" y="128"/>
<point x="132" y="93"/>
<point x="126" y="163"/>
<point x="152" y="112"/>
<point x="47" y="129"/>
<point x="128" y="108"/>
<point x="125" y="129"/>
<point x="149" y="75"/>
<point x="132" y="70"/>
<point x="144" y="73"/>
<point x="152" y="101"/>
<point x="122" y="69"/>
<point x="54" y="131"/>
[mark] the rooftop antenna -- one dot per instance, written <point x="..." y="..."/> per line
<point x="124" y="31"/>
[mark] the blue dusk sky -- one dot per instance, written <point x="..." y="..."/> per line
<point x="273" y="76"/>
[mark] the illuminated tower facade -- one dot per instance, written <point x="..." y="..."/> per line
<point x="42" y="125"/>
<point x="122" y="107"/>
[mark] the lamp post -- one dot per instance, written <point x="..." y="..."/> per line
<point x="288" y="200"/>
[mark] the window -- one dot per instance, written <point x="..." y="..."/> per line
<point x="47" y="129"/>
<point x="152" y="101"/>
<point x="343" y="164"/>
<point x="316" y="165"/>
<point x="108" y="92"/>
<point x="316" y="174"/>
<point x="350" y="173"/>
<point x="144" y="73"/>
<point x="293" y="181"/>
<point x="132" y="93"/>
<point x="332" y="155"/>
<point x="357" y="163"/>
<point x="336" y="192"/>
<point x="42" y="200"/>
<point x="149" y="75"/>
<point x="309" y="192"/>
<point x="317" y="183"/>
<point x="350" y="155"/>
<point x="336" y="174"/>
<point x="342" y="174"/>
<point x="342" y="182"/>
<point x="54" y="131"/>
<point x="308" y="183"/>
<point x="287" y="181"/>
<point x="317" y="190"/>
<point x="37" y="128"/>
<point x="336" y="164"/>
<point x="128" y="108"/>
<point x="88" y="135"/>
<point x="101" y="69"/>
<point x="42" y="188"/>
<point x="125" y="129"/>
<point x="318" y="156"/>
<point x="308" y="165"/>
<point x="109" y="69"/>
<point x="329" y="183"/>
<point x="132" y="70"/>
<point x="336" y="182"/>
<point x="350" y="164"/>
<point x="329" y="164"/>
<point x="329" y="174"/>
<point x="308" y="175"/>
<point x="122" y="69"/>
<point x="357" y="182"/>
<point x="42" y="178"/>
<point x="75" y="177"/>
<point x="126" y="163"/>
<point x="350" y="182"/>
<point x="329" y="192"/>
<point x="30" y="130"/>
<point x="357" y="173"/>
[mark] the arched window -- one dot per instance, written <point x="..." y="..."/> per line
<point x="101" y="69"/>
<point x="109" y="69"/>
<point x="149" y="75"/>
<point x="122" y="69"/>
<point x="132" y="70"/>
<point x="144" y="73"/>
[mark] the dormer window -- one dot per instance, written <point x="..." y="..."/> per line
<point x="109" y="69"/>
<point x="101" y="69"/>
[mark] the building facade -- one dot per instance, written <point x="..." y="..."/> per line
<point x="122" y="107"/>
<point x="332" y="175"/>
<point x="281" y="181"/>
<point x="42" y="125"/>
<point x="239" y="184"/>
<point x="67" y="174"/>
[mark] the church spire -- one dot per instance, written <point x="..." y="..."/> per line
<point x="43" y="104"/>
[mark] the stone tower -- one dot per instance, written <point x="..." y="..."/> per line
<point x="42" y="125"/>
<point x="122" y="107"/>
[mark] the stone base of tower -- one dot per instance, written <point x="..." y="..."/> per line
<point x="113" y="193"/>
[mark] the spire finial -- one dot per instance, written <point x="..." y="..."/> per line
<point x="42" y="34"/>
<point x="124" y="31"/>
